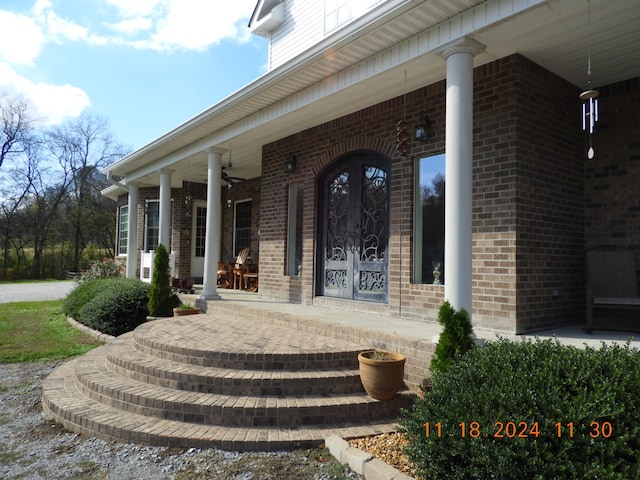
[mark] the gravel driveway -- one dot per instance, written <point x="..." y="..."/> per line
<point x="25" y="292"/>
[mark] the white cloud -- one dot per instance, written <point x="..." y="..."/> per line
<point x="51" y="103"/>
<point x="133" y="25"/>
<point x="20" y="38"/>
<point x="160" y="25"/>
<point x="197" y="24"/>
<point x="61" y="29"/>
<point x="136" y="8"/>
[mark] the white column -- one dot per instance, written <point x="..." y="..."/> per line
<point x="165" y="209"/>
<point x="132" y="238"/>
<point x="459" y="172"/>
<point x="212" y="237"/>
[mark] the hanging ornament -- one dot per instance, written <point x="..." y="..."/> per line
<point x="402" y="136"/>
<point x="590" y="96"/>
<point x="402" y="127"/>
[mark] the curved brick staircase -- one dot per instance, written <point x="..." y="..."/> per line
<point x="202" y="381"/>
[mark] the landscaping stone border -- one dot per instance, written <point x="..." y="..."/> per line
<point x="362" y="462"/>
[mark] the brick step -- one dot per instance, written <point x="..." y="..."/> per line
<point x="227" y="381"/>
<point x="100" y="383"/>
<point x="242" y="344"/>
<point x="64" y="402"/>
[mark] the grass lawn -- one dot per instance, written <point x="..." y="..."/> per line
<point x="38" y="331"/>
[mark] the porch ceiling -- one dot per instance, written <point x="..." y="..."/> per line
<point x="334" y="81"/>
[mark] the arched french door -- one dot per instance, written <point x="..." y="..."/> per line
<point x="353" y="228"/>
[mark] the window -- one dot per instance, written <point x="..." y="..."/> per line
<point x="429" y="220"/>
<point x="152" y="225"/>
<point x="201" y="231"/>
<point x="294" y="239"/>
<point x="123" y="230"/>
<point x="242" y="226"/>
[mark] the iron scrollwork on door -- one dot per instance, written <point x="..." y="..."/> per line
<point x="356" y="231"/>
<point x="373" y="230"/>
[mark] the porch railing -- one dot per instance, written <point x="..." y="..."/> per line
<point x="146" y="264"/>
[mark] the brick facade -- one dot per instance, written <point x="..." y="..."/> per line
<point x="528" y="199"/>
<point x="537" y="201"/>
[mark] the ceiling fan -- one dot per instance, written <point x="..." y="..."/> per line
<point x="231" y="181"/>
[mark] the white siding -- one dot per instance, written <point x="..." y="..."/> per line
<point x="303" y="27"/>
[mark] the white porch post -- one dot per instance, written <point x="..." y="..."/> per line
<point x="132" y="225"/>
<point x="165" y="209"/>
<point x="459" y="172"/>
<point x="212" y="236"/>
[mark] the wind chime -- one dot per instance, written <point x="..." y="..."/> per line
<point x="590" y="96"/>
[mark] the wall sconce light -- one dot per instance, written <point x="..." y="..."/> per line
<point x="290" y="163"/>
<point x="422" y="128"/>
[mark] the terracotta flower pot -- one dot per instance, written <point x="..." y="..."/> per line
<point x="381" y="378"/>
<point x="179" y="312"/>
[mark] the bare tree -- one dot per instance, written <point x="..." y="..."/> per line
<point x="51" y="207"/>
<point x="83" y="147"/>
<point x="16" y="125"/>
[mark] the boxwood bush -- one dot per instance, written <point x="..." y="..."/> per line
<point x="542" y="410"/>
<point x="80" y="295"/>
<point x="113" y="306"/>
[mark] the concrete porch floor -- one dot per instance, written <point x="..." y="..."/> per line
<point x="419" y="331"/>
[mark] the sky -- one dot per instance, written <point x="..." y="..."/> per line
<point x="146" y="65"/>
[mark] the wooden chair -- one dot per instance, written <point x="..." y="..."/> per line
<point x="611" y="280"/>
<point x="240" y="268"/>
<point x="251" y="278"/>
<point x="225" y="272"/>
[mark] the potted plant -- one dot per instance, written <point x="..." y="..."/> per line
<point x="185" y="309"/>
<point x="381" y="373"/>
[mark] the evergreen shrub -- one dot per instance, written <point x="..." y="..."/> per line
<point x="119" y="306"/>
<point x="455" y="339"/>
<point x="563" y="412"/>
<point x="162" y="300"/>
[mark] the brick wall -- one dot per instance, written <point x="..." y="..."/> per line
<point x="527" y="197"/>
<point x="530" y="180"/>
<point x="612" y="182"/>
<point x="613" y="175"/>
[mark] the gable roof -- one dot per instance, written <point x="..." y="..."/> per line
<point x="387" y="52"/>
<point x="267" y="16"/>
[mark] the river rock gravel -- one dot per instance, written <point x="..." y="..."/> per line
<point x="34" y="448"/>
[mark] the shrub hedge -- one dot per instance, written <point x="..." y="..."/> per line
<point x="113" y="306"/>
<point x="542" y="411"/>
<point x="79" y="296"/>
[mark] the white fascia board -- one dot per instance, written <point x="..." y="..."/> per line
<point x="269" y="22"/>
<point x="431" y="40"/>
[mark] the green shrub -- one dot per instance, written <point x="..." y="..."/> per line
<point x="541" y="387"/>
<point x="162" y="300"/>
<point x="79" y="296"/>
<point x="455" y="339"/>
<point x="119" y="306"/>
